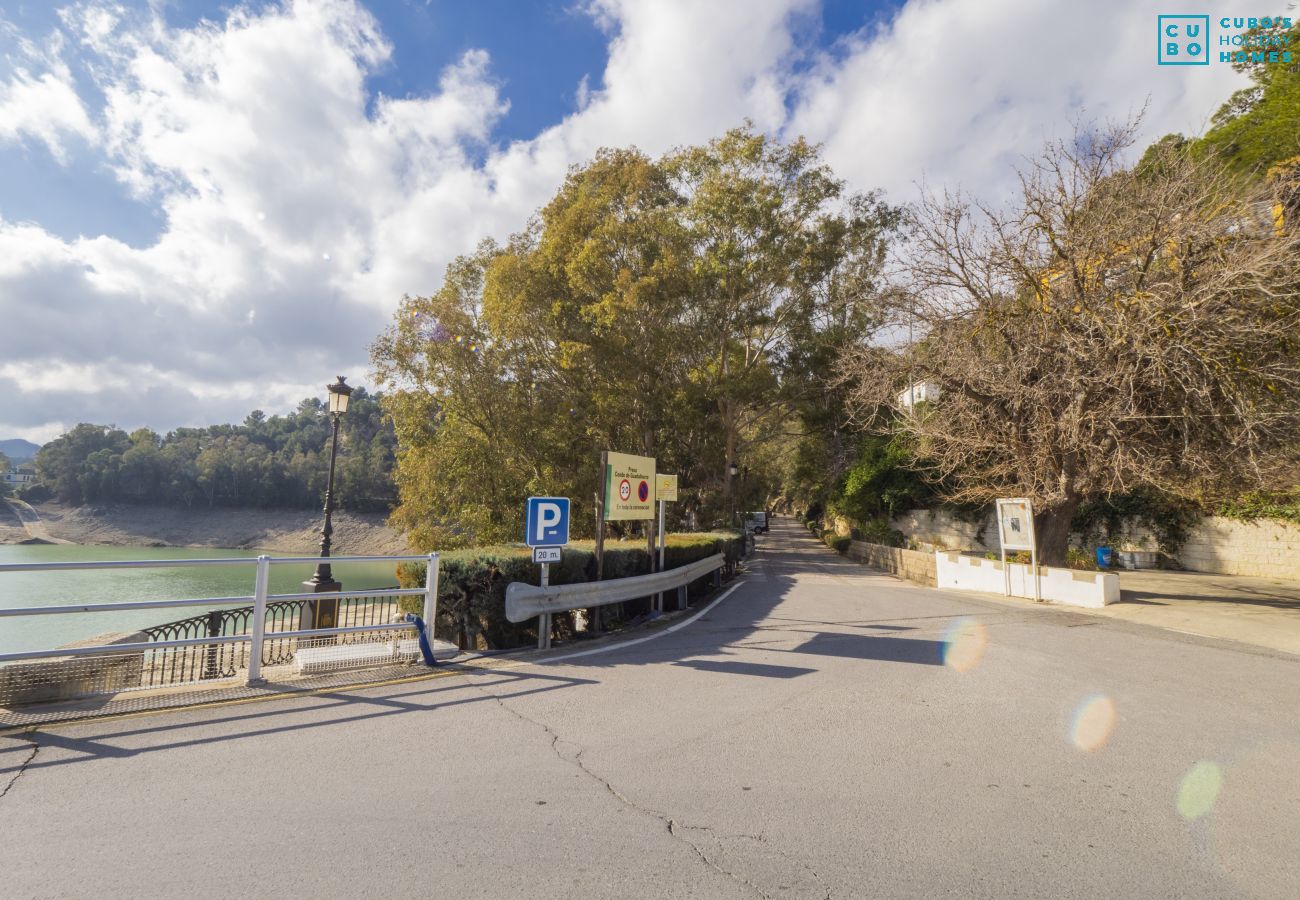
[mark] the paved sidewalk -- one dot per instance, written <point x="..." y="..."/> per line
<point x="1260" y="611"/>
<point x="1263" y="612"/>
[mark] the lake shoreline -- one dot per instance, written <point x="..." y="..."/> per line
<point x="278" y="530"/>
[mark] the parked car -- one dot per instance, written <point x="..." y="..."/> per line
<point x="757" y="522"/>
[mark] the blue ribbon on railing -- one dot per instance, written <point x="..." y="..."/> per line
<point x="425" y="650"/>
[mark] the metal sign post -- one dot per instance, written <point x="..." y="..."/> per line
<point x="1016" y="532"/>
<point x="546" y="530"/>
<point x="544" y="620"/>
<point x="665" y="491"/>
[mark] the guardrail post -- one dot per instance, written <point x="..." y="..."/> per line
<point x="544" y="620"/>
<point x="259" y="621"/>
<point x="430" y="597"/>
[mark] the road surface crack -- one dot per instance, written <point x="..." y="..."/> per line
<point x="21" y="768"/>
<point x="673" y="828"/>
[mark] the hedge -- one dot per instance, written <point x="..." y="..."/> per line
<point x="472" y="583"/>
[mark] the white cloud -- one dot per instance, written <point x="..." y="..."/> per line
<point x="958" y="91"/>
<point x="298" y="209"/>
<point x="39" y="100"/>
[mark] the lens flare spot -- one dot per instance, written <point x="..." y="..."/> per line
<point x="963" y="644"/>
<point x="1094" y="721"/>
<point x="1199" y="790"/>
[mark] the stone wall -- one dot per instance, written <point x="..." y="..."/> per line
<point x="1265" y="548"/>
<point x="937" y="529"/>
<point x="914" y="565"/>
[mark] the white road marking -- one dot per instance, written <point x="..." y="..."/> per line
<point x="669" y="630"/>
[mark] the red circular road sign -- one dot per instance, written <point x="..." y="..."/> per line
<point x="625" y="489"/>
<point x="643" y="491"/>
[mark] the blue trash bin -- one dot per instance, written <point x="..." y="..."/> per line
<point x="1104" y="557"/>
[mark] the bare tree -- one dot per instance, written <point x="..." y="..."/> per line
<point x="1112" y="328"/>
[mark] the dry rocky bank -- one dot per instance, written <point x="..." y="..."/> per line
<point x="281" y="530"/>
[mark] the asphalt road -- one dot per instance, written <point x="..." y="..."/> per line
<point x="824" y="731"/>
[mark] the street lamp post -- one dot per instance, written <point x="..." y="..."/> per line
<point x="323" y="613"/>
<point x="732" y="471"/>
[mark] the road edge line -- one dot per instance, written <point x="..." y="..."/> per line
<point x="619" y="646"/>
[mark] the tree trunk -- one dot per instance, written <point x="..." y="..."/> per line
<point x="1052" y="530"/>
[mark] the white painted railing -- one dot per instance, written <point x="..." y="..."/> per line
<point x="259" y="599"/>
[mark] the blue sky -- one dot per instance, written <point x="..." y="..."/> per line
<point x="211" y="207"/>
<point x="541" y="53"/>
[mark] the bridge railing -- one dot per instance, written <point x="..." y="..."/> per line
<point x="31" y="675"/>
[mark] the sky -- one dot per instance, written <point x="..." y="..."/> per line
<point x="208" y="207"/>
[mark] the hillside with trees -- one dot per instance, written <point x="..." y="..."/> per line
<point x="1112" y="330"/>
<point x="266" y="462"/>
<point x="1119" y="340"/>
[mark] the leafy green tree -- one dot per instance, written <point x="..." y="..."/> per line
<point x="1259" y="125"/>
<point x="665" y="307"/>
<point x="786" y="267"/>
<point x="77" y="466"/>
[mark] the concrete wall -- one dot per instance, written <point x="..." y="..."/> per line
<point x="970" y="573"/>
<point x="914" y="565"/>
<point x="1263" y="548"/>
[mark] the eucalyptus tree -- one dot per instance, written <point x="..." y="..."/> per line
<point x="670" y="307"/>
<point x="785" y="265"/>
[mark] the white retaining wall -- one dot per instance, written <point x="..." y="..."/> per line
<point x="970" y="573"/>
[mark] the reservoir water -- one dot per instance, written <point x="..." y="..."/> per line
<point x="61" y="588"/>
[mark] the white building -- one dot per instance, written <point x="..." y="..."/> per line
<point x="918" y="392"/>
<point x="19" y="477"/>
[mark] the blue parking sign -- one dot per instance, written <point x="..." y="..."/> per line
<point x="546" y="523"/>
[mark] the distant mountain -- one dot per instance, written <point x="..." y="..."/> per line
<point x="18" y="450"/>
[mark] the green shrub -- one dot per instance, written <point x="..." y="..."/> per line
<point x="1168" y="518"/>
<point x="1080" y="559"/>
<point x="877" y="531"/>
<point x="1281" y="504"/>
<point x="837" y="542"/>
<point x="472" y="583"/>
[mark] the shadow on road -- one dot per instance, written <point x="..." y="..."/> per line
<point x="731" y="667"/>
<point x="341" y="710"/>
<point x="796" y="558"/>
<point x="866" y="646"/>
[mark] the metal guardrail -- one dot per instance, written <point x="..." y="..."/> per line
<point x="259" y="599"/>
<point x="523" y="601"/>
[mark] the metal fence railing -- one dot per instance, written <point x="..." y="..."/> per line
<point x="261" y="629"/>
<point x="179" y="665"/>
